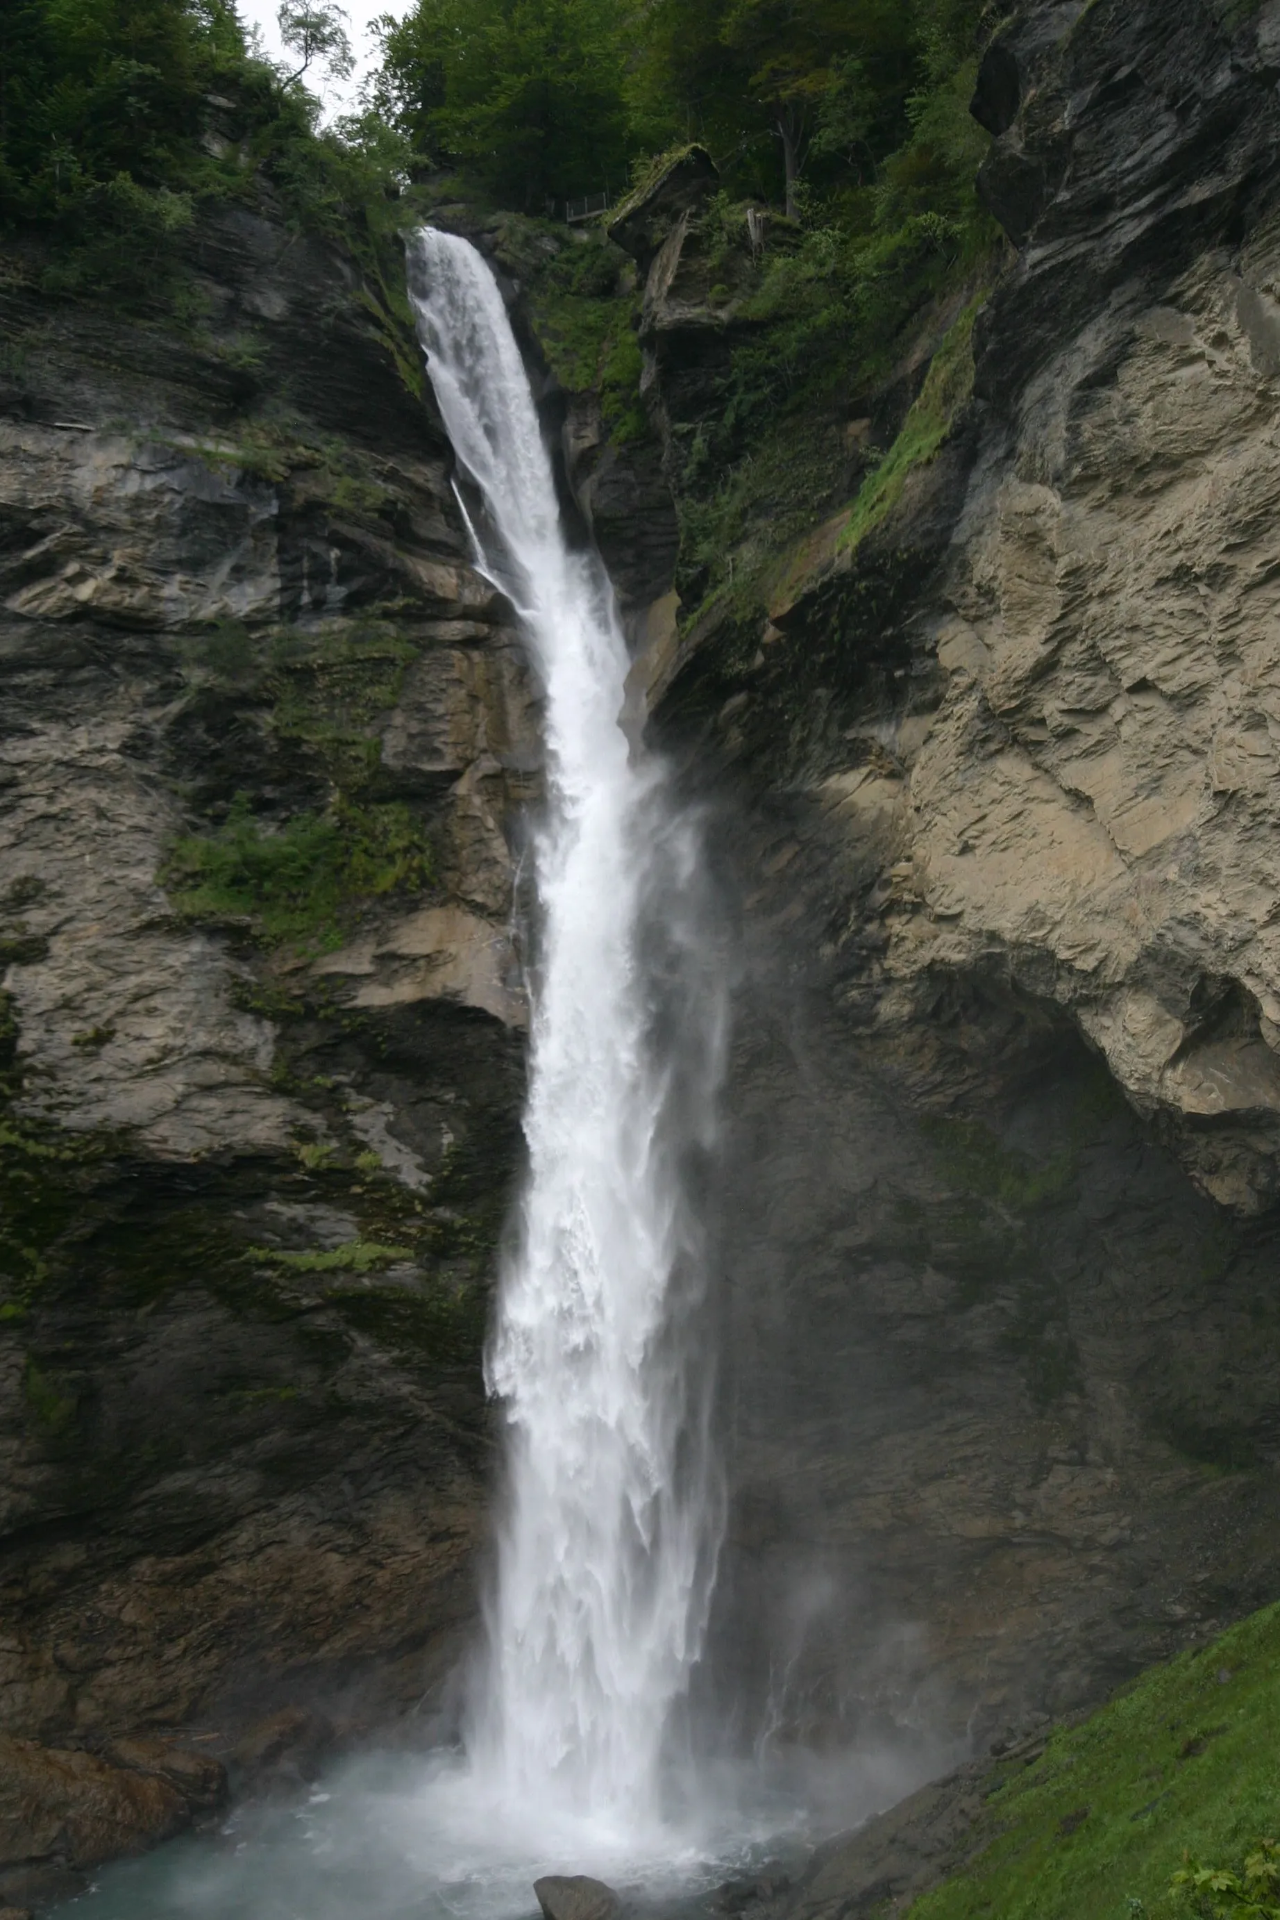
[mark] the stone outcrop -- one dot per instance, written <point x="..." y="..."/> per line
<point x="576" y="1896"/>
<point x="998" y="785"/>
<point x="251" y="1182"/>
<point x="63" y="1812"/>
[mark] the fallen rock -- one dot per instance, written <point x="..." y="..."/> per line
<point x="576" y="1896"/>
<point x="73" y="1810"/>
<point x="287" y="1744"/>
<point x="198" y="1777"/>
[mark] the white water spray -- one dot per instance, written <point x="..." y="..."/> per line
<point x="607" y="1548"/>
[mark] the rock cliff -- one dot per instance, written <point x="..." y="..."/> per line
<point x="259" y="1119"/>
<point x="997" y="759"/>
<point x="990" y="776"/>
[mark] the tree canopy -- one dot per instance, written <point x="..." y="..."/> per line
<point x="542" y="100"/>
<point x="527" y="94"/>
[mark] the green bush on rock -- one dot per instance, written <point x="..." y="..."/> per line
<point x="1220" y="1894"/>
<point x="300" y="883"/>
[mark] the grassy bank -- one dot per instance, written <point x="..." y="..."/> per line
<point x="1178" y="1778"/>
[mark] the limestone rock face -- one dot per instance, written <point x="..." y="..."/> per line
<point x="250" y="1179"/>
<point x="1096" y="799"/>
<point x="998" y="1221"/>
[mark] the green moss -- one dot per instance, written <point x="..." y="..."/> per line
<point x="287" y="449"/>
<point x="302" y="883"/>
<point x="327" y="690"/>
<point x="22" y="949"/>
<point x="356" y="1256"/>
<point x="972" y="1160"/>
<point x="585" y="315"/>
<point x="91" y="1038"/>
<point x="947" y="386"/>
<point x="52" y="1409"/>
<point x="1183" y="1762"/>
<point x="648" y="172"/>
<point x="446" y="1327"/>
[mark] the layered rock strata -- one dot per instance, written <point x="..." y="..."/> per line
<point x="253" y="1171"/>
<point x="1000" y="794"/>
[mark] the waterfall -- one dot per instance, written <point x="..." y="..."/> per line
<point x="608" y="1538"/>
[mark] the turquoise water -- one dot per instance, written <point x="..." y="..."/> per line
<point x="394" y="1837"/>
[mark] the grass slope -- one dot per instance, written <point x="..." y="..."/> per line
<point x="1186" y="1761"/>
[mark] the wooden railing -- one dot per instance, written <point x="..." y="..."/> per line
<point x="587" y="208"/>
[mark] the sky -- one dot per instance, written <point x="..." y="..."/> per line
<point x="338" y="96"/>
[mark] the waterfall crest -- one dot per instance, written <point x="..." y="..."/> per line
<point x="608" y="1539"/>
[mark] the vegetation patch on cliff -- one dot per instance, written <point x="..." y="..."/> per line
<point x="1163" y="1806"/>
<point x="302" y="882"/>
<point x="585" y="312"/>
<point x="947" y="386"/>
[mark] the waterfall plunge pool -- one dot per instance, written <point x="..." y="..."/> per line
<point x="391" y="1836"/>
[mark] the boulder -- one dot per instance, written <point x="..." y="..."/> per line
<point x="645" y="218"/>
<point x="576" y="1896"/>
<point x="71" y="1810"/>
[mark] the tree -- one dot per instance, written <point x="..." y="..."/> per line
<point x="815" y="65"/>
<point x="526" y="93"/>
<point x="811" y="80"/>
<point x="316" y="32"/>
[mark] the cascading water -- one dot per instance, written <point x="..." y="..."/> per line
<point x="606" y="1551"/>
<point x="609" y="1532"/>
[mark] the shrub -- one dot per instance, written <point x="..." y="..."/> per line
<point x="302" y="883"/>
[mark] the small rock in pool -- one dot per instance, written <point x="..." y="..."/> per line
<point x="576" y="1896"/>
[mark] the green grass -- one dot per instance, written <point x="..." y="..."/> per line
<point x="1182" y="1768"/>
<point x="947" y="386"/>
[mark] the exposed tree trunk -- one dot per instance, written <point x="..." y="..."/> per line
<point x="790" y="163"/>
<point x="793" y="133"/>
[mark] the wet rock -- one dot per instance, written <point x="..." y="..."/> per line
<point x="71" y="1810"/>
<point x="895" y="1857"/>
<point x="191" y="1504"/>
<point x="198" y="1777"/>
<point x="576" y="1897"/>
<point x="286" y="1746"/>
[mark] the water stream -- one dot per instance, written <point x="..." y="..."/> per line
<point x="609" y="1519"/>
<point x="607" y="1546"/>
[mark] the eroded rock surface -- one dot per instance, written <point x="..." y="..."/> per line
<point x="252" y="1179"/>
<point x="1001" y="794"/>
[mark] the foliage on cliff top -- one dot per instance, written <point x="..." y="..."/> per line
<point x="118" y="117"/>
<point x="1180" y="1772"/>
<point x="529" y="98"/>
